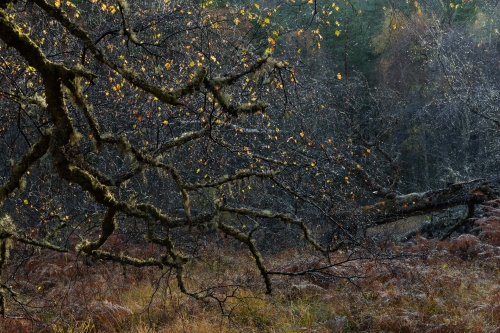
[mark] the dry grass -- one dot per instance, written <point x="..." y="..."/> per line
<point x="398" y="228"/>
<point x="451" y="286"/>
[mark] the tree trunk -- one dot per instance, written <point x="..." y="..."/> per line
<point x="467" y="193"/>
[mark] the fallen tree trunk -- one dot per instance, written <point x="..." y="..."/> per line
<point x="468" y="193"/>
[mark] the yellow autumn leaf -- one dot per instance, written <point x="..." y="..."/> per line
<point x="30" y="70"/>
<point x="337" y="33"/>
<point x="58" y="3"/>
<point x="26" y="202"/>
<point x="256" y="5"/>
<point x="339" y="76"/>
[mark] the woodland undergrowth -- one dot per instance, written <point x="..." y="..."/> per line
<point x="434" y="286"/>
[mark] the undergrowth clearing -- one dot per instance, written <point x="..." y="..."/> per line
<point x="433" y="286"/>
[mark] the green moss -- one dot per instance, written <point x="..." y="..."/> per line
<point x="75" y="137"/>
<point x="7" y="227"/>
<point x="36" y="152"/>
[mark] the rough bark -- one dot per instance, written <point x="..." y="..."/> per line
<point x="468" y="193"/>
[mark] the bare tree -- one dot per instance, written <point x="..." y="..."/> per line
<point x="160" y="124"/>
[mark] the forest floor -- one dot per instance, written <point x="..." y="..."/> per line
<point x="434" y="286"/>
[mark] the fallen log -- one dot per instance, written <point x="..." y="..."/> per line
<point x="469" y="193"/>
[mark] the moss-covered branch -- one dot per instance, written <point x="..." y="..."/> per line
<point x="100" y="192"/>
<point x="132" y="77"/>
<point x="182" y="140"/>
<point x="43" y="244"/>
<point x="287" y="218"/>
<point x="315" y="205"/>
<point x="13" y="36"/>
<point x="75" y="89"/>
<point x="241" y="174"/>
<point x="412" y="204"/>
<point x="265" y="61"/>
<point x="216" y="87"/>
<point x="367" y="180"/>
<point x="7" y="229"/>
<point x="103" y="195"/>
<point x="127" y="260"/>
<point x="224" y="100"/>
<point x="249" y="242"/>
<point x="186" y="203"/>
<point x="36" y="152"/>
<point x="108" y="226"/>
